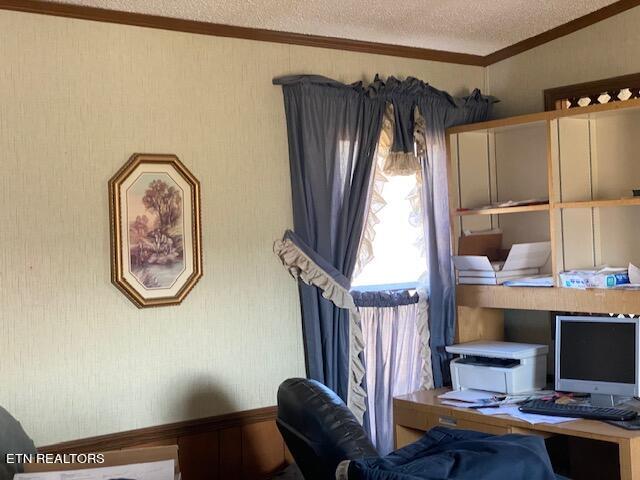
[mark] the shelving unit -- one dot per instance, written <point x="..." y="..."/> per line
<point x="623" y="202"/>
<point x="504" y="210"/>
<point x="584" y="161"/>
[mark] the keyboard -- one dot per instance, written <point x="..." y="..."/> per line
<point x="542" y="407"/>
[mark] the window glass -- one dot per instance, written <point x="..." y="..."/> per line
<point x="397" y="256"/>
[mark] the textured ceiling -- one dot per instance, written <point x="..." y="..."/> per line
<point x="469" y="26"/>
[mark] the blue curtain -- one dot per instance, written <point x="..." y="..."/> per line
<point x="333" y="129"/>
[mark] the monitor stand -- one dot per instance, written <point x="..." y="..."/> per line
<point x="604" y="400"/>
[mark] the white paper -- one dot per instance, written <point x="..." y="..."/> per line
<point x="534" y="281"/>
<point x="521" y="256"/>
<point x="456" y="403"/>
<point x="139" y="471"/>
<point x="470" y="396"/>
<point x="531" y="418"/>
<point x="472" y="262"/>
<point x="527" y="255"/>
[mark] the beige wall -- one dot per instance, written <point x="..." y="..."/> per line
<point x="78" y="98"/>
<point x="605" y="49"/>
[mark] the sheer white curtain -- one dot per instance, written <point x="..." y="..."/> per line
<point x="393" y="364"/>
<point x="394" y="322"/>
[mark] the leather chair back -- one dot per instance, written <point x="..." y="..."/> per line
<point x="319" y="429"/>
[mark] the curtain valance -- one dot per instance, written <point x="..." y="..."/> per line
<point x="405" y="96"/>
<point x="384" y="298"/>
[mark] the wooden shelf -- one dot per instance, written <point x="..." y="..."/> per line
<point x="503" y="210"/>
<point x="549" y="299"/>
<point x="621" y="202"/>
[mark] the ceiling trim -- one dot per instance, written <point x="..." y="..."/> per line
<point x="561" y="30"/>
<point x="263" y="35"/>
<point x="219" y="30"/>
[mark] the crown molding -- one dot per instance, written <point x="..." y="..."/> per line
<point x="263" y="35"/>
<point x="219" y="30"/>
<point x="560" y="31"/>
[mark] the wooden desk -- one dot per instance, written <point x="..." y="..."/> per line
<point x="418" y="412"/>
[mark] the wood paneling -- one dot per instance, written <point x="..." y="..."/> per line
<point x="242" y="445"/>
<point x="231" y="453"/>
<point x="260" y="454"/>
<point x="199" y="455"/>
<point x="205" y="28"/>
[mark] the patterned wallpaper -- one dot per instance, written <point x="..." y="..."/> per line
<point x="77" y="99"/>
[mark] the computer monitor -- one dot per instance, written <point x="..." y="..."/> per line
<point x="598" y="355"/>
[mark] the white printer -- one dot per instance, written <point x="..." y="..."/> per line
<point x="504" y="367"/>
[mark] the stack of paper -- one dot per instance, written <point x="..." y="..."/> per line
<point x="534" y="281"/>
<point x="524" y="259"/>
<point x="468" y="398"/>
<point x="513" y="411"/>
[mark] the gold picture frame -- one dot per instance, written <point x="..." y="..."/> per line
<point x="156" y="242"/>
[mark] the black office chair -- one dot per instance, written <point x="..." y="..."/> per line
<point x="321" y="432"/>
<point x="319" y="429"/>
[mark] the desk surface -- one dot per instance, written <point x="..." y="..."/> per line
<point x="427" y="401"/>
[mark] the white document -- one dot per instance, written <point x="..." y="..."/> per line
<point x="521" y="256"/>
<point x="531" y="418"/>
<point x="527" y="255"/>
<point x="473" y="262"/>
<point x="469" y="396"/>
<point x="501" y="274"/>
<point x="139" y="471"/>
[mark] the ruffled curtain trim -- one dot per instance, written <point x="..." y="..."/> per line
<point x="401" y="164"/>
<point x="302" y="266"/>
<point x="376" y="200"/>
<point x="415" y="198"/>
<point x="425" y="337"/>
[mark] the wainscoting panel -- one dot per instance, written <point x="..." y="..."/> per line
<point x="244" y="445"/>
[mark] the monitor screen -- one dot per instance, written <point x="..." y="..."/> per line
<point x="598" y="351"/>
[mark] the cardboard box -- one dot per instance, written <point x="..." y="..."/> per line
<point x="114" y="458"/>
<point x="483" y="243"/>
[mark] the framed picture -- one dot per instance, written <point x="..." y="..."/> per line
<point x="155" y="230"/>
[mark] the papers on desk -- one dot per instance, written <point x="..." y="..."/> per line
<point x="533" y="419"/>
<point x="140" y="471"/>
<point x="534" y="281"/>
<point x="468" y="396"/>
<point x="498" y="404"/>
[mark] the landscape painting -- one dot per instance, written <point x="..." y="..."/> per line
<point x="154" y="204"/>
<point x="155" y="209"/>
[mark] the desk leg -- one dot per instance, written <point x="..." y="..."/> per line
<point x="630" y="459"/>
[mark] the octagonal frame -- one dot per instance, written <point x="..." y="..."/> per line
<point x="119" y="231"/>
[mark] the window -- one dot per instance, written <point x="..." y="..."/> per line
<point x="397" y="251"/>
<point x="616" y="89"/>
